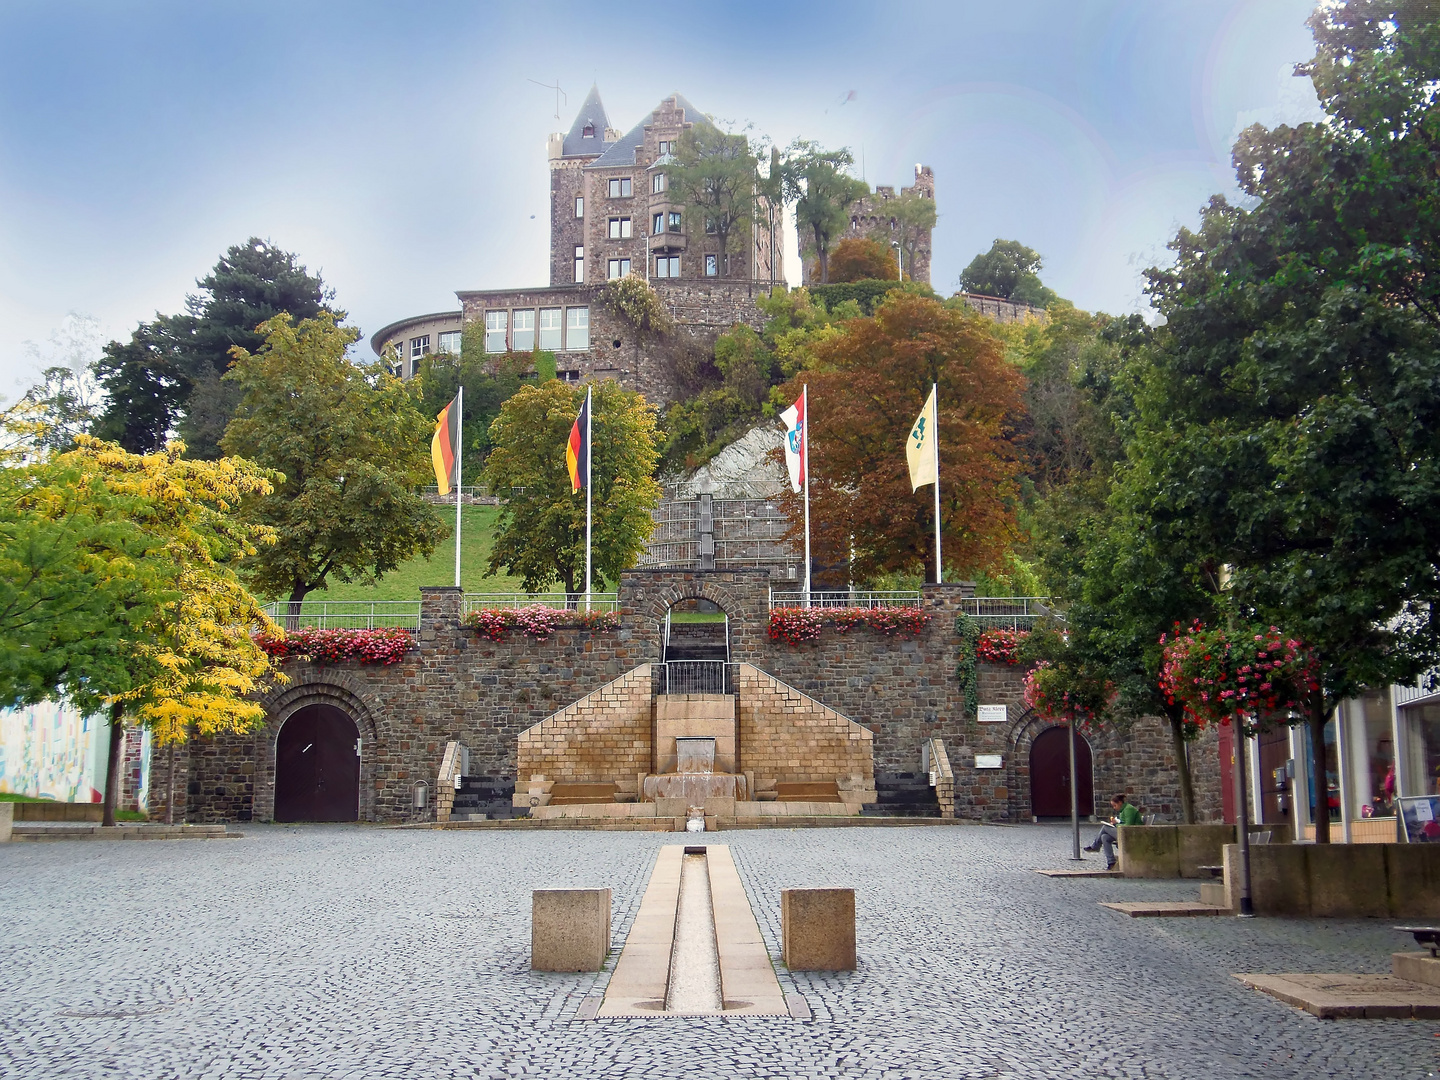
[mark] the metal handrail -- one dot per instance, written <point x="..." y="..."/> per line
<point x="1018" y="612"/>
<point x="346" y="614"/>
<point x="607" y="601"/>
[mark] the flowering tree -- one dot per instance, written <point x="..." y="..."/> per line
<point x="1068" y="693"/>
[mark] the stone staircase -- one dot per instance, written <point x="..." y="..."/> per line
<point x="487" y="795"/>
<point x="697" y="641"/>
<point x="902" y="795"/>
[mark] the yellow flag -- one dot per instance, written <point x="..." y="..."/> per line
<point x="920" y="446"/>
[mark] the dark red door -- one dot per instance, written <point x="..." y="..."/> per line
<point x="317" y="767"/>
<point x="1050" y="774"/>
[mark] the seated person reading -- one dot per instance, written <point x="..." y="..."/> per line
<point x="1122" y="814"/>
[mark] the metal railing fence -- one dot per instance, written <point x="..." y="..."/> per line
<point x="606" y="601"/>
<point x="785" y="598"/>
<point x="695" y="677"/>
<point x="346" y="614"/>
<point x="1014" y="612"/>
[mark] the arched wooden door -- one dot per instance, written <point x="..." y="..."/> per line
<point x="1050" y="774"/>
<point x="317" y="766"/>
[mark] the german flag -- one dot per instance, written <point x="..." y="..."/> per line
<point x="445" y="446"/>
<point x="577" y="450"/>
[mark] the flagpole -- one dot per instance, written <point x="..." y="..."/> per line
<point x="589" y="489"/>
<point x="459" y="446"/>
<point x="805" y="445"/>
<point x="935" y="390"/>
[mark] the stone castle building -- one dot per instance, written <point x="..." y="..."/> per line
<point x="872" y="218"/>
<point x="612" y="214"/>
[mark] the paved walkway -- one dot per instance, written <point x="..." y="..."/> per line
<point x="334" y="952"/>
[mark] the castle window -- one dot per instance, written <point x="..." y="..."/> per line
<point x="674" y="221"/>
<point x="709" y="225"/>
<point x="620" y="187"/>
<point x="419" y="346"/>
<point x="619" y="228"/>
<point x="711" y="265"/>
<point x="522" y="331"/>
<point x="657" y="224"/>
<point x="667" y="266"/>
<point x="579" y="264"/>
<point x="449" y="342"/>
<point x="657" y="183"/>
<point x="496" y="323"/>
<point x="579" y="205"/>
<point x="588" y="131"/>
<point x="577" y="328"/>
<point x="664" y="147"/>
<point x="619" y="268"/>
<point x="551" y="327"/>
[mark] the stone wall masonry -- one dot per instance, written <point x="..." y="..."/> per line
<point x="605" y="736"/>
<point x="459" y="686"/>
<point x="791" y="737"/>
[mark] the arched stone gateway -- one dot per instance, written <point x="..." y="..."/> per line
<point x="317" y="766"/>
<point x="326" y="691"/>
<point x="1050" y="774"/>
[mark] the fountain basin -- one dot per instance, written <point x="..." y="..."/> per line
<point x="694" y="788"/>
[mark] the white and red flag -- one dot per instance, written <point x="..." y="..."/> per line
<point x="797" y="449"/>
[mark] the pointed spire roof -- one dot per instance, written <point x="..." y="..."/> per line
<point x="587" y="135"/>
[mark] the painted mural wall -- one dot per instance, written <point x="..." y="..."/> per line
<point x="53" y="751"/>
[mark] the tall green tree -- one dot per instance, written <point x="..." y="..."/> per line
<point x="489" y="382"/>
<point x="915" y="217"/>
<point x="816" y="181"/>
<point x="169" y="375"/>
<point x="1293" y="412"/>
<point x="714" y="175"/>
<point x="352" y="447"/>
<point x="1009" y="270"/>
<point x="540" y="532"/>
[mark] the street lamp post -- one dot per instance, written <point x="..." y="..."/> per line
<point x="899" y="260"/>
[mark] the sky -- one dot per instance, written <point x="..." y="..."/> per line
<point x="399" y="149"/>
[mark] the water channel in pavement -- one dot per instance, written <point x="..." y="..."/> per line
<point x="694" y="983"/>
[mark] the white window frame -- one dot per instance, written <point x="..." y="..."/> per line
<point x="449" y="342"/>
<point x="497" y="322"/>
<point x="712" y="265"/>
<point x="577" y="328"/>
<point x="657" y="183"/>
<point x="620" y="228"/>
<point x="579" y="205"/>
<point x="618" y="268"/>
<point x="419" y="346"/>
<point x="619" y="187"/>
<point x="579" y="264"/>
<point x="657" y="224"/>
<point x="522" y="322"/>
<point x="550" y="329"/>
<point x="676" y="222"/>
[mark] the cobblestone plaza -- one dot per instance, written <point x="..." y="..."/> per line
<point x="301" y="953"/>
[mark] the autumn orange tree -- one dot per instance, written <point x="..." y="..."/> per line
<point x="859" y="258"/>
<point x="867" y="385"/>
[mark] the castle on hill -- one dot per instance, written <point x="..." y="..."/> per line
<point x="612" y="214"/>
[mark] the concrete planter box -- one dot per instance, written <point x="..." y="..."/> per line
<point x="1171" y="851"/>
<point x="1383" y="881"/>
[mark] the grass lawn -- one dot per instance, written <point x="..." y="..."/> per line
<point x="404" y="583"/>
<point x="697" y="616"/>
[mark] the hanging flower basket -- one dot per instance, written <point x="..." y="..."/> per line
<point x="537" y="621"/>
<point x="334" y="646"/>
<point x="793" y="625"/>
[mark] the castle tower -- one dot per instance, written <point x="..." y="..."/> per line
<point x="589" y="137"/>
